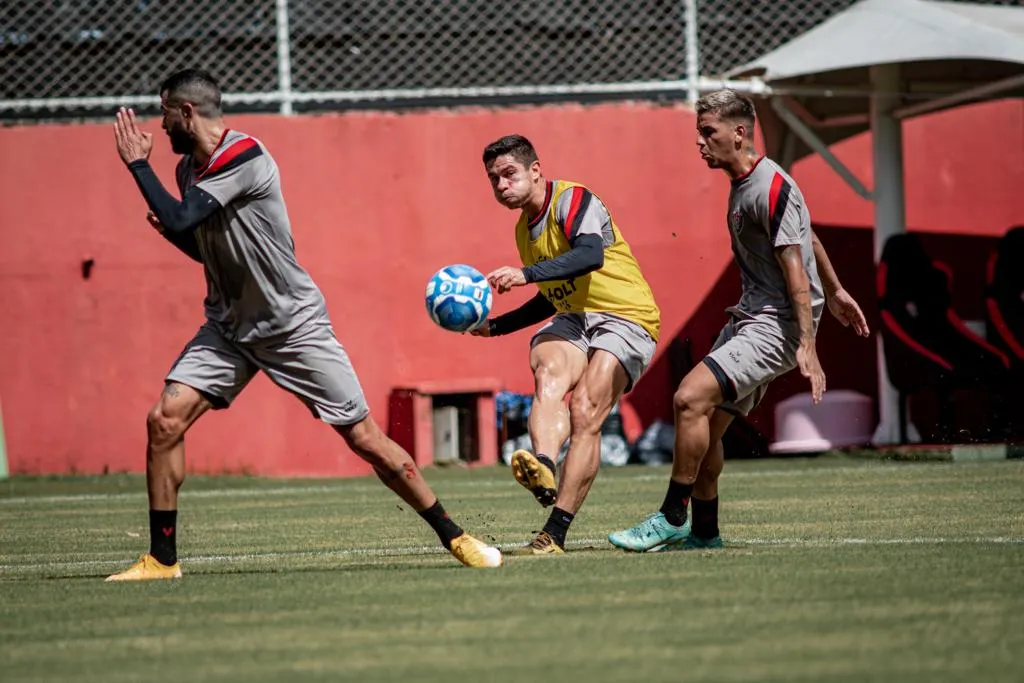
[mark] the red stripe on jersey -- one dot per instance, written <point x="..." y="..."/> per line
<point x="773" y="194"/>
<point x="574" y="207"/>
<point x="223" y="136"/>
<point x="243" y="145"/>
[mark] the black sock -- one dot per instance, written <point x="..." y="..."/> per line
<point x="558" y="525"/>
<point x="547" y="462"/>
<point x="163" y="528"/>
<point x="676" y="500"/>
<point x="705" y="518"/>
<point x="440" y="522"/>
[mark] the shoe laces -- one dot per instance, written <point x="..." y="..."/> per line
<point x="542" y="541"/>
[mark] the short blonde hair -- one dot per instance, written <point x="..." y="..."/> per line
<point x="730" y="106"/>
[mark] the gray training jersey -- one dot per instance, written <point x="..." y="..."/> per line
<point x="767" y="211"/>
<point x="256" y="289"/>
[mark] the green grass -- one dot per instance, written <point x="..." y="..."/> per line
<point x="835" y="570"/>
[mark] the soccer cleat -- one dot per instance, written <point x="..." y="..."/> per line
<point x="544" y="545"/>
<point x="475" y="553"/>
<point x="147" y="569"/>
<point x="653" y="532"/>
<point x="691" y="542"/>
<point x="535" y="476"/>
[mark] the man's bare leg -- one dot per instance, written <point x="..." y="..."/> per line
<point x="177" y="409"/>
<point x="557" y="366"/>
<point x="598" y="389"/>
<point x="396" y="469"/>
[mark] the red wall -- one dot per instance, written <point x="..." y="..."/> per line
<point x="378" y="202"/>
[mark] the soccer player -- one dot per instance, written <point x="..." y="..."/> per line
<point x="598" y="344"/>
<point x="263" y="312"/>
<point x="787" y="279"/>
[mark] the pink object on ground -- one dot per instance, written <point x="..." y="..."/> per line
<point x="843" y="418"/>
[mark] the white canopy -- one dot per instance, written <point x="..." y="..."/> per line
<point x="948" y="53"/>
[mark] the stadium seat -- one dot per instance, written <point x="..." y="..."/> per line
<point x="1004" y="297"/>
<point x="927" y="345"/>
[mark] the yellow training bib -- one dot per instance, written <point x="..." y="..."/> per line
<point x="618" y="287"/>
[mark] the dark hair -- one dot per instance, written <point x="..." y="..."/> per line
<point x="517" y="146"/>
<point x="195" y="86"/>
<point x="730" y="106"/>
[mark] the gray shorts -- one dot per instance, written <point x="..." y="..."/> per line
<point x="309" y="362"/>
<point x="622" y="338"/>
<point x="750" y="352"/>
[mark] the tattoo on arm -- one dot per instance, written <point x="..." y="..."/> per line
<point x="798" y="286"/>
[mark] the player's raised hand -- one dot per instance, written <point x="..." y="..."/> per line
<point x="844" y="307"/>
<point x="155" y="222"/>
<point x="505" y="278"/>
<point x="810" y="367"/>
<point x="132" y="143"/>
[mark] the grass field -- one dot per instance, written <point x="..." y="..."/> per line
<point x="836" y="570"/>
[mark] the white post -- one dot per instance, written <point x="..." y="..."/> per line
<point x="890" y="219"/>
<point x="284" y="58"/>
<point x="692" y="51"/>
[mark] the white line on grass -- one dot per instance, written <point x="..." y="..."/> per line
<point x="578" y="543"/>
<point x="359" y="488"/>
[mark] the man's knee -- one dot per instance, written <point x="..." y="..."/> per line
<point x="164" y="426"/>
<point x="586" y="413"/>
<point x="691" y="400"/>
<point x="363" y="437"/>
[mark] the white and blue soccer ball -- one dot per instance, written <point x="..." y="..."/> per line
<point x="458" y="298"/>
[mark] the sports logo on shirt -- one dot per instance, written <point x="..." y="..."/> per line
<point x="736" y="221"/>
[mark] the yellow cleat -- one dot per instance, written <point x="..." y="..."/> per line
<point x="534" y="476"/>
<point x="147" y="569"/>
<point x="475" y="553"/>
<point x="544" y="545"/>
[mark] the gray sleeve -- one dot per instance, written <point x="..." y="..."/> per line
<point x="237" y="172"/>
<point x="579" y="212"/>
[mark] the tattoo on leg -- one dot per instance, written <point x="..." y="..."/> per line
<point x="172" y="390"/>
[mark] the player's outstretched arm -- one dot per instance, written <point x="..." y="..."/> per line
<point x="843" y="306"/>
<point x="798" y="285"/>
<point x="532" y="312"/>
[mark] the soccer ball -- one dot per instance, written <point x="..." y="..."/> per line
<point x="458" y="298"/>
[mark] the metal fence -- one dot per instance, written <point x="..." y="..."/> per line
<point x="75" y="58"/>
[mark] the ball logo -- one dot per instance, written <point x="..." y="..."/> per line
<point x="458" y="298"/>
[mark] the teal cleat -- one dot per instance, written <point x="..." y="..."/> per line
<point x="691" y="542"/>
<point x="653" y="532"/>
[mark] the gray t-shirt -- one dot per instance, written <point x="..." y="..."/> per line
<point x="767" y="211"/>
<point x="255" y="287"/>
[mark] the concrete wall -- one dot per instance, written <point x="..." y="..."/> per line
<point x="378" y="203"/>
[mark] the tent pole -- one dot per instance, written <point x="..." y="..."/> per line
<point x="890" y="219"/>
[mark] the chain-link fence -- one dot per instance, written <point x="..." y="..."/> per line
<point x="69" y="58"/>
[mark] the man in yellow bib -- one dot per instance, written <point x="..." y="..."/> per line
<point x="598" y="344"/>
